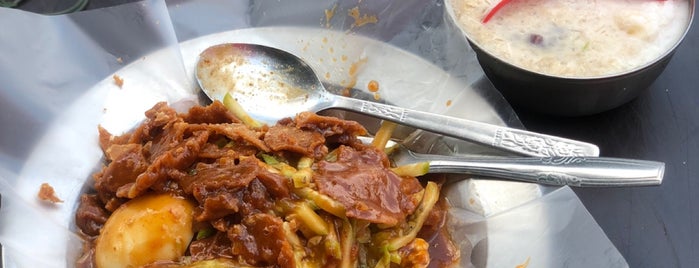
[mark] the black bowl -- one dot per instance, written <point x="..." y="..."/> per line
<point x="568" y="96"/>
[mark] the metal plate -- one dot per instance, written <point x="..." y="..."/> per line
<point x="68" y="154"/>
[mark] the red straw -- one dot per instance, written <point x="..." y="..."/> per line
<point x="502" y="3"/>
<point x="495" y="9"/>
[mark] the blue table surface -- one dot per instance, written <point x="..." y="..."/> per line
<point x="653" y="226"/>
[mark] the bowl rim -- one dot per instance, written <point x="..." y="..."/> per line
<point x="448" y="5"/>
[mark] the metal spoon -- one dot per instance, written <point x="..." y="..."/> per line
<point x="569" y="170"/>
<point x="271" y="84"/>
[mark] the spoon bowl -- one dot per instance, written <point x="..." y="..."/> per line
<point x="271" y="84"/>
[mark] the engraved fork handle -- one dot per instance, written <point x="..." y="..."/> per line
<point x="508" y="139"/>
<point x="572" y="171"/>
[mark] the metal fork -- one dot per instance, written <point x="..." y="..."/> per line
<point x="569" y="170"/>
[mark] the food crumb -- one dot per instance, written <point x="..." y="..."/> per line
<point x="329" y="15"/>
<point x="525" y="264"/>
<point x="448" y="103"/>
<point x="47" y="193"/>
<point x="356" y="66"/>
<point x="120" y="60"/>
<point x="353" y="71"/>
<point x="377" y="96"/>
<point x="118" y="80"/>
<point x="359" y="19"/>
<point x="373" y="86"/>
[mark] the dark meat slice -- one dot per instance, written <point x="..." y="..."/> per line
<point x="216" y="151"/>
<point x="219" y="205"/>
<point x="221" y="187"/>
<point x="276" y="184"/>
<point x="221" y="147"/>
<point x="287" y="121"/>
<point x="163" y="141"/>
<point x="90" y="216"/>
<point x="223" y="199"/>
<point x="106" y="139"/>
<point x="226" y="173"/>
<point x="236" y="132"/>
<point x="369" y="191"/>
<point x="256" y="199"/>
<point x="127" y="162"/>
<point x="216" y="246"/>
<point x="111" y="202"/>
<point x="221" y="224"/>
<point x="287" y="138"/>
<point x="442" y="249"/>
<point x="215" y="113"/>
<point x="250" y="200"/>
<point x="260" y="241"/>
<point x="157" y="118"/>
<point x="179" y="158"/>
<point x="232" y="172"/>
<point x="328" y="126"/>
